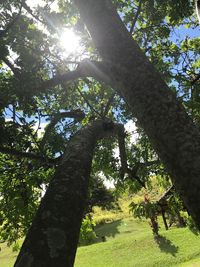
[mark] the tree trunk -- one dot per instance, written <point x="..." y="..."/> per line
<point x="169" y="128"/>
<point x="53" y="237"/>
<point x="164" y="218"/>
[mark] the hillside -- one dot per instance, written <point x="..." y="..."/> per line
<point x="129" y="242"/>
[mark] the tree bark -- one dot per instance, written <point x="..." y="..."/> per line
<point x="164" y="218"/>
<point x="53" y="237"/>
<point x="169" y="128"/>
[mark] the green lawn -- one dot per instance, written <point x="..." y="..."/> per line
<point x="7" y="257"/>
<point x="129" y="243"/>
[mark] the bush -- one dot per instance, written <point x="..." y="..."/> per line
<point x="87" y="233"/>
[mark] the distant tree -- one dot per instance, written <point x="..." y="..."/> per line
<point x="100" y="196"/>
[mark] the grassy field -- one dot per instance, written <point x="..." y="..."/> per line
<point x="7" y="257"/>
<point x="129" y="243"/>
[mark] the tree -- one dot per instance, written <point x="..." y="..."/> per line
<point x="53" y="237"/>
<point x="169" y="128"/>
<point x="36" y="86"/>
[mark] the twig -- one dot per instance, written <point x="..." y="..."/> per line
<point x="136" y="16"/>
<point x="76" y="114"/>
<point x="88" y="103"/>
<point x="110" y="100"/>
<point x="28" y="9"/>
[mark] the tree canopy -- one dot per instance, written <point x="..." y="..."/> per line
<point x="70" y="71"/>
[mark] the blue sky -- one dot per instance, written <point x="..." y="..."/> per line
<point x="182" y="32"/>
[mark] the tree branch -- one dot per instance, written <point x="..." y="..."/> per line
<point x="85" y="69"/>
<point x="136" y="16"/>
<point x="20" y="154"/>
<point x="15" y="71"/>
<point x="29" y="10"/>
<point x="76" y="114"/>
<point x="195" y="79"/>
<point x="110" y="100"/>
<point x="132" y="173"/>
<point x="10" y="24"/>
<point x="88" y="103"/>
<point x="122" y="151"/>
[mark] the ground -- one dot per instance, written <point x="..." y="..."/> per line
<point x="129" y="242"/>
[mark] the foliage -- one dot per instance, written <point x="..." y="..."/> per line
<point x="21" y="190"/>
<point x="87" y="233"/>
<point x="143" y="209"/>
<point x="190" y="223"/>
<point x="101" y="196"/>
<point x="148" y="210"/>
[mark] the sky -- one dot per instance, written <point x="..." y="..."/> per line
<point x="34" y="3"/>
<point x="182" y="32"/>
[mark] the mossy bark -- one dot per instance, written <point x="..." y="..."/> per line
<point x="162" y="116"/>
<point x="53" y="237"/>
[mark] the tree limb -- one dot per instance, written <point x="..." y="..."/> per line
<point x="20" y="154"/>
<point x="122" y="151"/>
<point x="195" y="79"/>
<point x="76" y="114"/>
<point x="10" y="24"/>
<point x="132" y="173"/>
<point x="136" y="16"/>
<point x="29" y="10"/>
<point x="15" y="71"/>
<point x="88" y="103"/>
<point x="85" y="69"/>
<point x="110" y="100"/>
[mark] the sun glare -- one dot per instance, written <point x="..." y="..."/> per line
<point x="70" y="42"/>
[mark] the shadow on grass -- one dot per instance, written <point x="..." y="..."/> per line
<point x="107" y="230"/>
<point x="166" y="245"/>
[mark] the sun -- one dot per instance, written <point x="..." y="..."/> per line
<point x="70" y="42"/>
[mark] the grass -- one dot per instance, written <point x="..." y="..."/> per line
<point x="130" y="243"/>
<point x="7" y="256"/>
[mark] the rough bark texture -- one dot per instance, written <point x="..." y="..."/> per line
<point x="53" y="237"/>
<point x="169" y="128"/>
